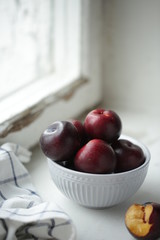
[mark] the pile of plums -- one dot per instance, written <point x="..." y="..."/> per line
<point x="93" y="146"/>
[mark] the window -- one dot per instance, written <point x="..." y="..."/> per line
<point x="63" y="63"/>
<point x="26" y="43"/>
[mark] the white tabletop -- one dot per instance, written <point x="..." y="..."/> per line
<point x="94" y="224"/>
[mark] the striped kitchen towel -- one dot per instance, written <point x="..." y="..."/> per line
<point x="23" y="214"/>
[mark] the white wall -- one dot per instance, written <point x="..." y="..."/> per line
<point x="132" y="55"/>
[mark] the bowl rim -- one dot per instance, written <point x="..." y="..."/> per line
<point x="84" y="174"/>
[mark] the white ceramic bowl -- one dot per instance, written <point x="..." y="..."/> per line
<point x="99" y="190"/>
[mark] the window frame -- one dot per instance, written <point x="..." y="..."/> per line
<point x="82" y="74"/>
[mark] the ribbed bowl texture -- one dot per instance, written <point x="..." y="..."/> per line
<point x="99" y="190"/>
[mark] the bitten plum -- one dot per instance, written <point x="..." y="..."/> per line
<point x="143" y="221"/>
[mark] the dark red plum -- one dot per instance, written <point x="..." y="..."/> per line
<point x="103" y="124"/>
<point x="81" y="131"/>
<point x="129" y="156"/>
<point x="60" y="141"/>
<point x="95" y="157"/>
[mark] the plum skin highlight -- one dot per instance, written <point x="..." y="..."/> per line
<point x="60" y="141"/>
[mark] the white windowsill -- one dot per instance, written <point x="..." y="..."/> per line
<point x="31" y="101"/>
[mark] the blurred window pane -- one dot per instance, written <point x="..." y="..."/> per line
<point x="26" y="42"/>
